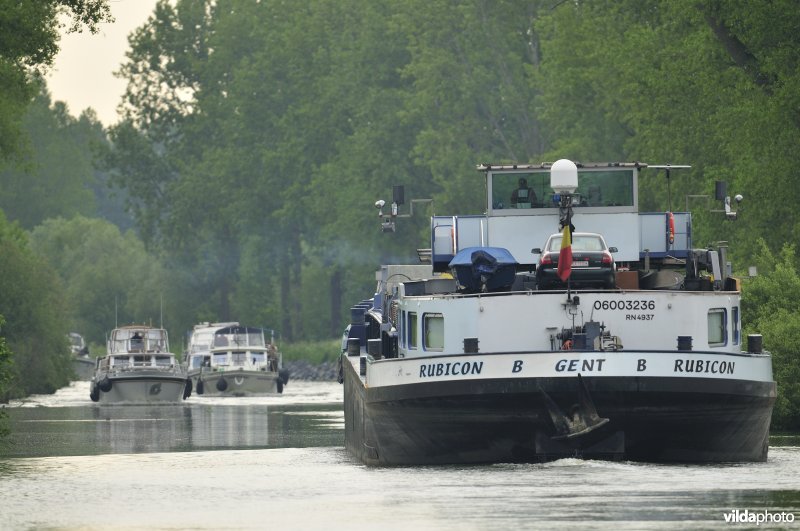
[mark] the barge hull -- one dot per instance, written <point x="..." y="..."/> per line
<point x="650" y="419"/>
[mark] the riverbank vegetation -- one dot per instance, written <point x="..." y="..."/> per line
<point x="255" y="137"/>
<point x="315" y="352"/>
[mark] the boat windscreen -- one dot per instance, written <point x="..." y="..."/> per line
<point x="525" y="190"/>
<point x="119" y="361"/>
<point x="201" y="341"/>
<point x="255" y="339"/>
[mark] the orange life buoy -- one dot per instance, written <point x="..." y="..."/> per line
<point x="671" y="222"/>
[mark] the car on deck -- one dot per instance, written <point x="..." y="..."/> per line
<point x="592" y="262"/>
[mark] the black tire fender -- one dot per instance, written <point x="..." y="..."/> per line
<point x="105" y="385"/>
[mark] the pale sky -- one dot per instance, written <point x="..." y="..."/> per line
<point x="82" y="74"/>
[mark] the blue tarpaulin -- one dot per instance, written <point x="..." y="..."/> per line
<point x="476" y="268"/>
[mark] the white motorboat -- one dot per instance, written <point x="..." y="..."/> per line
<point x="227" y="359"/>
<point x="82" y="364"/>
<point x="138" y="368"/>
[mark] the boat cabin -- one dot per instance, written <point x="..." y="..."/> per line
<point x="606" y="201"/>
<point x="138" y="339"/>
<point x="486" y="297"/>
<point x="238" y="347"/>
<point x="126" y="361"/>
<point x="77" y="345"/>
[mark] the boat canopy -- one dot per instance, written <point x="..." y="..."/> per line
<point x="138" y="339"/>
<point x="238" y="337"/>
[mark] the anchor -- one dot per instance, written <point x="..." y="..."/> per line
<point x="583" y="418"/>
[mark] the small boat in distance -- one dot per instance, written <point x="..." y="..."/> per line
<point x="138" y="368"/>
<point x="228" y="359"/>
<point x="82" y="364"/>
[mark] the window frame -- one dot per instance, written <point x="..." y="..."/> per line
<point x="723" y="312"/>
<point x="413" y="333"/>
<point x="426" y="329"/>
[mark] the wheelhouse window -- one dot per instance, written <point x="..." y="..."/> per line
<point x="222" y="340"/>
<point x="433" y="330"/>
<point x="239" y="358"/>
<point x="156" y="341"/>
<point x="120" y="361"/>
<point x="525" y="190"/>
<point x="521" y="190"/>
<point x="163" y="361"/>
<point x="717" y="332"/>
<point x="221" y="358"/>
<point x="201" y="341"/>
<point x="413" y="340"/>
<point x="255" y="339"/>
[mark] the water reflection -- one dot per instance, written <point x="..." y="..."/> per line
<point x="194" y="425"/>
<point x="280" y="462"/>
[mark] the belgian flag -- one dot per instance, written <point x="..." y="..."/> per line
<point x="565" y="255"/>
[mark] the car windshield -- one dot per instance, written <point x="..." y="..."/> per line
<point x="579" y="243"/>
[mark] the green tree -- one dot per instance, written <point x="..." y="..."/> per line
<point x="712" y="83"/>
<point x="471" y="71"/>
<point x="28" y="44"/>
<point x="769" y="306"/>
<point x="31" y="299"/>
<point x="238" y="162"/>
<point x="108" y="277"/>
<point x="6" y="374"/>
<point x="56" y="180"/>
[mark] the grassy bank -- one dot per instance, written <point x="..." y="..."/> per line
<point x="314" y="352"/>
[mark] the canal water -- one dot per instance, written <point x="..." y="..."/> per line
<point x="279" y="463"/>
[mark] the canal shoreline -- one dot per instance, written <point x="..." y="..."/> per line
<point x="325" y="371"/>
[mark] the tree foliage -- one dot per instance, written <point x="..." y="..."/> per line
<point x="29" y="33"/>
<point x="32" y="302"/>
<point x="708" y="83"/>
<point x="108" y="277"/>
<point x="56" y="179"/>
<point x="6" y="376"/>
<point x="768" y="305"/>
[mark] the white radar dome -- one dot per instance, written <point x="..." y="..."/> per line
<point x="564" y="176"/>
